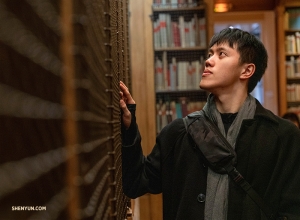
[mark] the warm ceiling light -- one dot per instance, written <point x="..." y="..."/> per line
<point x="222" y="7"/>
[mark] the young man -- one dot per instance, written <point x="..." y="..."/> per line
<point x="267" y="147"/>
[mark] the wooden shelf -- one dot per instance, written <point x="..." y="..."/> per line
<point x="169" y="8"/>
<point x="292" y="30"/>
<point x="292" y="54"/>
<point x="294" y="104"/>
<point x="181" y="91"/>
<point x="180" y="49"/>
<point x="293" y="78"/>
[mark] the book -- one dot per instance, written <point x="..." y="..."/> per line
<point x="178" y="110"/>
<point x="190" y="76"/>
<point x="294" y="18"/>
<point x="168" y="112"/>
<point x="174" y="3"/>
<point x="166" y="72"/>
<point x="173" y="110"/>
<point x="173" y="74"/>
<point x="182" y="75"/>
<point x="156" y="33"/>
<point x="196" y="66"/>
<point x="192" y="32"/>
<point x="202" y="31"/>
<point x="159" y="77"/>
<point x="181" y="25"/>
<point x="164" y="120"/>
<point x="286" y="20"/>
<point x="184" y="106"/>
<point x="163" y="30"/>
<point x="187" y="33"/>
<point x="297" y="35"/>
<point x="158" y="116"/>
<point x="176" y="34"/>
<point x="196" y="28"/>
<point x="170" y="41"/>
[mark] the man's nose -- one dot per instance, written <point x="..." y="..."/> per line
<point x="209" y="61"/>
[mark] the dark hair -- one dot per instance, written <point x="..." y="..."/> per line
<point x="250" y="48"/>
<point x="292" y="117"/>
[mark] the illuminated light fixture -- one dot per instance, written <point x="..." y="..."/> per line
<point x="222" y="7"/>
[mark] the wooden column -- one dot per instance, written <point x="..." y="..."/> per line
<point x="69" y="102"/>
<point x="142" y="62"/>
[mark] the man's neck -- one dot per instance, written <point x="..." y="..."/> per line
<point x="230" y="104"/>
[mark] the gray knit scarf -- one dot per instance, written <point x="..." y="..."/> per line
<point x="216" y="203"/>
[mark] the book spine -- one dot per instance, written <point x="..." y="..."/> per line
<point x="156" y="30"/>
<point x="182" y="31"/>
<point x="192" y="33"/>
<point x="196" y="65"/>
<point x="174" y="3"/>
<point x="165" y="71"/>
<point x="173" y="74"/>
<point x="202" y="31"/>
<point x="159" y="77"/>
<point x="163" y="30"/>
<point x="297" y="34"/>
<point x="294" y="18"/>
<point x="176" y="34"/>
<point x="170" y="40"/>
<point x="286" y="20"/>
<point x="190" y="76"/>
<point x="187" y="33"/>
<point x="197" y="32"/>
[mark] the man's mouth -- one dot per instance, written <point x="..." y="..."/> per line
<point x="206" y="73"/>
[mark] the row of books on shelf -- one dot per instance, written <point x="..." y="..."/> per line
<point x="183" y="33"/>
<point x="292" y="43"/>
<point x="292" y="67"/>
<point x="293" y="92"/>
<point x="176" y="76"/>
<point x="170" y="110"/>
<point x="174" y="3"/>
<point x="292" y="18"/>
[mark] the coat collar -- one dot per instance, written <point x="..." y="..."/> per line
<point x="261" y="112"/>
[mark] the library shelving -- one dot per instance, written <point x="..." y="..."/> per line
<point x="180" y="46"/>
<point x="288" y="23"/>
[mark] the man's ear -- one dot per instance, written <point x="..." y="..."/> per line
<point x="248" y="71"/>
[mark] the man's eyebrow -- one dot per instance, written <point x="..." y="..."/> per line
<point x="217" y="50"/>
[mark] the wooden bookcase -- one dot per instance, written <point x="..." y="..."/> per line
<point x="180" y="45"/>
<point x="289" y="79"/>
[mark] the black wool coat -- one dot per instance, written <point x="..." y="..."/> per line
<point x="268" y="157"/>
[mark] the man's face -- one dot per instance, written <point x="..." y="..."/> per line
<point x="222" y="70"/>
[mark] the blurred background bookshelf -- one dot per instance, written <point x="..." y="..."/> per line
<point x="180" y="46"/>
<point x="288" y="24"/>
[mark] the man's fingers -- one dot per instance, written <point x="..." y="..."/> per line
<point x="126" y="114"/>
<point x="123" y="105"/>
<point x="125" y="94"/>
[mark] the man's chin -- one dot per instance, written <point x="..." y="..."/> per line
<point x="203" y="87"/>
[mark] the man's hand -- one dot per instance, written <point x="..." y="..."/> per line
<point x="125" y="98"/>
